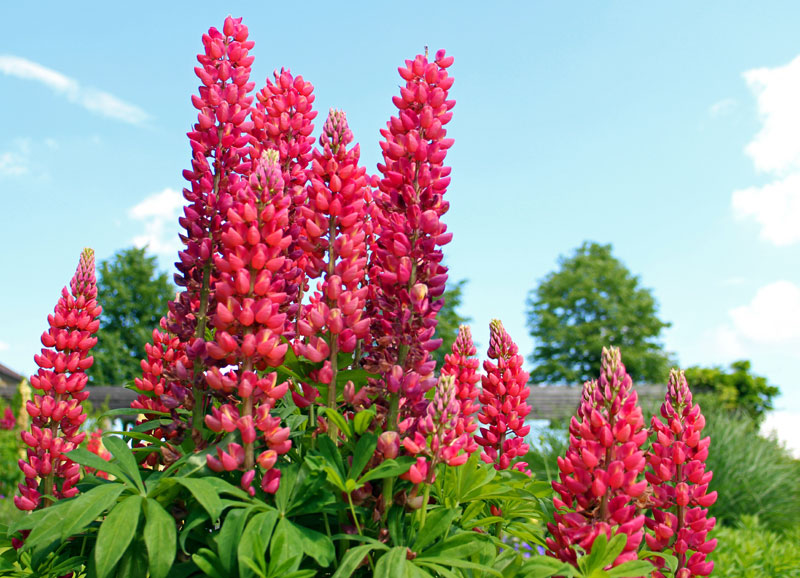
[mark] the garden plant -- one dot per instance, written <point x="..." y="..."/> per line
<point x="290" y="419"/>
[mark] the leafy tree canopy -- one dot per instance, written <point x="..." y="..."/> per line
<point x="448" y="320"/>
<point x="735" y="389"/>
<point x="593" y="301"/>
<point x="134" y="297"/>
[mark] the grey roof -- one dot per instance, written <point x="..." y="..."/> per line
<point x="558" y="402"/>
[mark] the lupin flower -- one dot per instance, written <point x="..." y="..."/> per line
<point x="680" y="483"/>
<point x="463" y="366"/>
<point x="8" y="421"/>
<point x="249" y="324"/>
<point x="599" y="477"/>
<point x="504" y="406"/>
<point x="282" y="120"/>
<point x="432" y="436"/>
<point x="95" y="445"/>
<point x="333" y="239"/>
<point x="406" y="272"/>
<point x="219" y="142"/>
<point x="56" y="412"/>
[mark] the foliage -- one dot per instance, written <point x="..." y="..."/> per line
<point x="751" y="549"/>
<point x="134" y="297"/>
<point x="593" y="301"/>
<point x="735" y="389"/>
<point x="448" y="320"/>
<point x="753" y="475"/>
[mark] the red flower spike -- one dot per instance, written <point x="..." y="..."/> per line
<point x="56" y="414"/>
<point x="406" y="272"/>
<point x="599" y="477"/>
<point x="503" y="398"/>
<point x="248" y="320"/>
<point x="463" y="366"/>
<point x="680" y="482"/>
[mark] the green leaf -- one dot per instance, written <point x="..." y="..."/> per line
<point x="159" y="537"/>
<point x="88" y="507"/>
<point x="317" y="545"/>
<point x="459" y="563"/>
<point x="151" y="425"/>
<point x="388" y="469"/>
<point x="331" y="453"/>
<point x="86" y="458"/>
<point x="437" y="523"/>
<point x="116" y="533"/>
<point x="286" y="547"/>
<point x="223" y="487"/>
<point x="196" y="518"/>
<point x="254" y="540"/>
<point x="133" y="562"/>
<point x="229" y="539"/>
<point x="631" y="569"/>
<point x="544" y="567"/>
<point x="392" y="564"/>
<point x="362" y="420"/>
<point x="594" y="560"/>
<point x="125" y="460"/>
<point x="614" y="549"/>
<point x="205" y="493"/>
<point x="139" y="436"/>
<point x="365" y="449"/>
<point x="352" y="560"/>
<point x="339" y="420"/>
<point x="208" y="562"/>
<point x="130" y="411"/>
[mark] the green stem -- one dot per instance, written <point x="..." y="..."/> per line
<point x="424" y="509"/>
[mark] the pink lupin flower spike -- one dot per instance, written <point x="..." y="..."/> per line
<point x="463" y="366"/>
<point x="56" y="413"/>
<point x="503" y="398"/>
<point x="599" y="477"/>
<point x="680" y="483"/>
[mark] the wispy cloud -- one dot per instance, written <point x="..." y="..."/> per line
<point x="3" y="346"/>
<point x="93" y="100"/>
<point x="159" y="212"/>
<point x="722" y="107"/>
<point x="776" y="151"/>
<point x="772" y="316"/>
<point x="16" y="162"/>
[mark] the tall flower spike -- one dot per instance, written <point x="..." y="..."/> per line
<point x="406" y="273"/>
<point x="503" y="398"/>
<point x="56" y="413"/>
<point x="249" y="325"/>
<point x="334" y="241"/>
<point x="599" y="477"/>
<point x="219" y="142"/>
<point x="282" y="120"/>
<point x="463" y="366"/>
<point x="680" y="483"/>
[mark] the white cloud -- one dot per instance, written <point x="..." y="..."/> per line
<point x="726" y="343"/>
<point x="784" y="425"/>
<point x="775" y="206"/>
<point x="4" y="346"/>
<point x="776" y="147"/>
<point x="89" y="98"/>
<point x="16" y="162"/>
<point x="722" y="107"/>
<point x="775" y="150"/>
<point x="159" y="212"/>
<point x="772" y="317"/>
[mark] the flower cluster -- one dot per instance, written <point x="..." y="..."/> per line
<point x="680" y="483"/>
<point x="95" y="445"/>
<point x="219" y="143"/>
<point x="599" y="477"/>
<point x="463" y="366"/>
<point x="406" y="273"/>
<point x="334" y="240"/>
<point x="282" y="120"/>
<point x="503" y="398"/>
<point x="433" y="435"/>
<point x="56" y="413"/>
<point x="8" y="421"/>
<point x="249" y="325"/>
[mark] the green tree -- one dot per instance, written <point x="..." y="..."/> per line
<point x="448" y="320"/>
<point x="593" y="301"/>
<point x="134" y="297"/>
<point x="736" y="389"/>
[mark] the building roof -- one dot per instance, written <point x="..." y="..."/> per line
<point x="8" y="374"/>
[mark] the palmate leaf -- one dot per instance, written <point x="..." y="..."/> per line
<point x="438" y="522"/>
<point x="125" y="460"/>
<point x="116" y="533"/>
<point x="159" y="537"/>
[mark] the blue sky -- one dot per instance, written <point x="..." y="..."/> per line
<point x="671" y="131"/>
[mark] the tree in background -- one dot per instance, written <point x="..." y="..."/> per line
<point x="737" y="389"/>
<point x="448" y="320"/>
<point x="134" y="296"/>
<point x="593" y="301"/>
